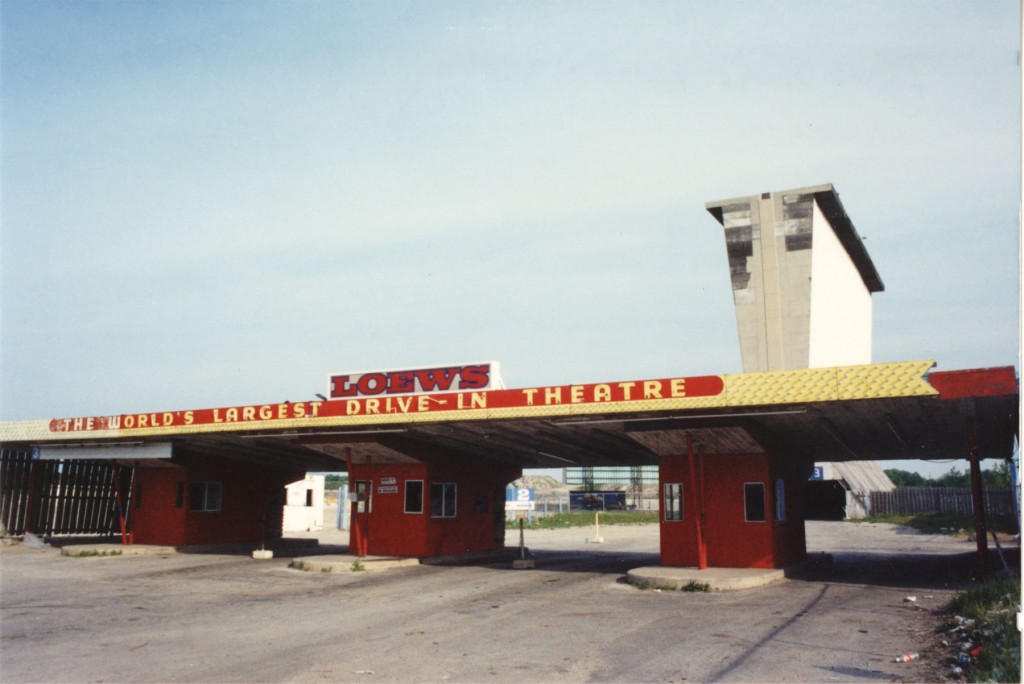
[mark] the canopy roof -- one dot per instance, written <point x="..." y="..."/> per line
<point x="854" y="413"/>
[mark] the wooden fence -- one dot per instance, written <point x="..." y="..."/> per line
<point x="911" y="500"/>
<point x="62" y="497"/>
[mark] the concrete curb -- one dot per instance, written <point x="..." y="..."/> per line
<point x="80" y="548"/>
<point x="716" y="579"/>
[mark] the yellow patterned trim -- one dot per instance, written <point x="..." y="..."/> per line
<point x="845" y="383"/>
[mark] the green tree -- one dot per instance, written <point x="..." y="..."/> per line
<point x="905" y="478"/>
<point x="998" y="476"/>
<point x="954" y="478"/>
<point x="335" y="481"/>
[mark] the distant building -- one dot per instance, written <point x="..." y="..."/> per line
<point x="843" y="490"/>
<point x="304" y="505"/>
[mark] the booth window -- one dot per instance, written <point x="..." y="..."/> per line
<point x="754" y="502"/>
<point x="442" y="500"/>
<point x="673" y="501"/>
<point x="309" y="498"/>
<point x="414" y="496"/>
<point x="205" y="496"/>
<point x="361" y="495"/>
<point x="780" y="500"/>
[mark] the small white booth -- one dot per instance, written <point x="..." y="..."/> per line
<point x="304" y="505"/>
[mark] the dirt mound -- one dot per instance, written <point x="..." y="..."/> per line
<point x="541" y="484"/>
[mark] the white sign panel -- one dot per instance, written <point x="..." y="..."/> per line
<point x="520" y="500"/>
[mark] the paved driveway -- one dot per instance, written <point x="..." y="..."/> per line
<point x="227" y="618"/>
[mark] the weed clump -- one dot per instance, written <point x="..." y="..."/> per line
<point x="694" y="585"/>
<point x="981" y="632"/>
<point x="691" y="586"/>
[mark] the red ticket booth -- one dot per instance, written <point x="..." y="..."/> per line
<point x="444" y="505"/>
<point x="732" y="510"/>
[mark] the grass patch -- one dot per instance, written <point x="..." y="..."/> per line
<point x="944" y="523"/>
<point x="985" y="642"/>
<point x="584" y="519"/>
<point x="297" y="565"/>
<point x="357" y="565"/>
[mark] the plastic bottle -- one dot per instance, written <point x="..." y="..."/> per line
<point x="906" y="657"/>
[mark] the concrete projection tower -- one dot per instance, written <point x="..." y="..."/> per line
<point x="801" y="280"/>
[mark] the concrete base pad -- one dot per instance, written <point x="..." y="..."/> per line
<point x="347" y="563"/>
<point x="716" y="579"/>
<point x="85" y="550"/>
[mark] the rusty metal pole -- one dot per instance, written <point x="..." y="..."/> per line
<point x="978" y="500"/>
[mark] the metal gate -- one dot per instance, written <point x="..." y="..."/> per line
<point x="63" y="497"/>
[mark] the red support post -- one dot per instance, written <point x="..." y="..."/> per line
<point x="702" y="549"/>
<point x="367" y="508"/>
<point x="696" y="489"/>
<point x="980" y="532"/>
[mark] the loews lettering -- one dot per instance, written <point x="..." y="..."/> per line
<point x="453" y="378"/>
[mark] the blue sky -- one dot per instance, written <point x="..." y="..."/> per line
<point x="208" y="204"/>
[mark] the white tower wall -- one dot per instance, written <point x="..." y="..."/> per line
<point x="840" y="322"/>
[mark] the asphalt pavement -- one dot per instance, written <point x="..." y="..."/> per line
<point x="872" y="593"/>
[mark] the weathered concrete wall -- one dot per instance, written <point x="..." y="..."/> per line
<point x="800" y="294"/>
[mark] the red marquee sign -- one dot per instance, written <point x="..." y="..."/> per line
<point x="408" y="403"/>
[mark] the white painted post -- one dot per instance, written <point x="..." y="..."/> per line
<point x="596" y="539"/>
<point x="343" y="513"/>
